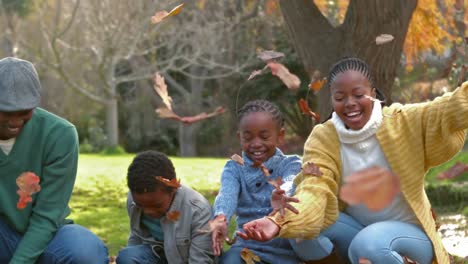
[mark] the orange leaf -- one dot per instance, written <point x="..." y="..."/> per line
<point x="304" y="107"/>
<point x="164" y="112"/>
<point x="260" y="165"/>
<point x="290" y="80"/>
<point x="161" y="15"/>
<point x="383" y="39"/>
<point x="311" y="169"/>
<point x="238" y="159"/>
<point x="161" y="89"/>
<point x="276" y="182"/>
<point x="270" y="55"/>
<point x="317" y="85"/>
<point x="28" y="184"/>
<point x="248" y="256"/>
<point x="173" y="216"/>
<point x="174" y="183"/>
<point x="456" y="170"/>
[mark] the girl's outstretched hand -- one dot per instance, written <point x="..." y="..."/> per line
<point x="280" y="201"/>
<point x="262" y="229"/>
<point x="218" y="227"/>
<point x="376" y="187"/>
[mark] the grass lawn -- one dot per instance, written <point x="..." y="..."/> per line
<point x="98" y="200"/>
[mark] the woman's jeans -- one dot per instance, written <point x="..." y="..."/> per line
<point x="383" y="242"/>
<point x="71" y="244"/>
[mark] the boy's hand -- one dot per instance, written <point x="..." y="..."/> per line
<point x="280" y="202"/>
<point x="262" y="230"/>
<point x="218" y="227"/>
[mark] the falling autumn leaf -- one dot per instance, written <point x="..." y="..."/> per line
<point x="270" y="55"/>
<point x="317" y="85"/>
<point x="383" y="39"/>
<point x="290" y="80"/>
<point x="249" y="257"/>
<point x="260" y="165"/>
<point x="311" y="169"/>
<point x="173" y="216"/>
<point x="256" y="73"/>
<point x="161" y="89"/>
<point x="373" y="187"/>
<point x="238" y="159"/>
<point x="164" y="112"/>
<point x="219" y="223"/>
<point x="161" y="15"/>
<point x="304" y="107"/>
<point x="174" y="183"/>
<point x="456" y="170"/>
<point x="28" y="184"/>
<point x="192" y="119"/>
<point x="276" y="182"/>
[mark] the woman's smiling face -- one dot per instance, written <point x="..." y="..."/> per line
<point x="350" y="90"/>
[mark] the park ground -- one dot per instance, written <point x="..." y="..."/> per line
<point x="99" y="197"/>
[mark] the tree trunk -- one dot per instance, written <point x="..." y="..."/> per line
<point x="112" y="124"/>
<point x="187" y="140"/>
<point x="320" y="45"/>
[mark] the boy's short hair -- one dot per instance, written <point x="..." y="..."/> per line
<point x="19" y="85"/>
<point x="145" y="167"/>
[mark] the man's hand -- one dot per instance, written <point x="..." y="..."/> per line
<point x="262" y="229"/>
<point x="280" y="202"/>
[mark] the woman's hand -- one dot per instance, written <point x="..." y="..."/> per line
<point x="262" y="229"/>
<point x="376" y="187"/>
<point x="280" y="202"/>
<point x="218" y="228"/>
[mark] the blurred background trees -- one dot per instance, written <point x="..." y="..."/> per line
<point x="97" y="59"/>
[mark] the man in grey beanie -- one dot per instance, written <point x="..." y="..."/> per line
<point x="36" y="145"/>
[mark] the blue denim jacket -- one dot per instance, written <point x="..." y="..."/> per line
<point x="245" y="191"/>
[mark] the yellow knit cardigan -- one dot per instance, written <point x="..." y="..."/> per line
<point x="413" y="137"/>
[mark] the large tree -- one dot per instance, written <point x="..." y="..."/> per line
<point x="319" y="43"/>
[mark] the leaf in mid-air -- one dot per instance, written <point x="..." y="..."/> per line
<point x="161" y="15"/>
<point x="383" y="39"/>
<point x="238" y="159"/>
<point x="311" y="169"/>
<point x="174" y="183"/>
<point x="290" y="80"/>
<point x="270" y="55"/>
<point x="456" y="170"/>
<point x="304" y="107"/>
<point x="276" y="182"/>
<point x="28" y="184"/>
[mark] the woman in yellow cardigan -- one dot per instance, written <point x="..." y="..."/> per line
<point x="363" y="139"/>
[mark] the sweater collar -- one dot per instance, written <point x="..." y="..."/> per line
<point x="349" y="136"/>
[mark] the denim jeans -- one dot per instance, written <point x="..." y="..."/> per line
<point x="140" y="254"/>
<point x="71" y="244"/>
<point x="383" y="242"/>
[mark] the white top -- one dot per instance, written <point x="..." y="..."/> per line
<point x="7" y="145"/>
<point x="360" y="149"/>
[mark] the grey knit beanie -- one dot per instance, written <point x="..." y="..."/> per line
<point x="19" y="85"/>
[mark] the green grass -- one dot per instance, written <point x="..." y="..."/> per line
<point x="98" y="200"/>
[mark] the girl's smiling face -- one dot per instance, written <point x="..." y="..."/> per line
<point x="349" y="91"/>
<point x="259" y="135"/>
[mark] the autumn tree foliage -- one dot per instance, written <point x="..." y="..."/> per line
<point x="349" y="28"/>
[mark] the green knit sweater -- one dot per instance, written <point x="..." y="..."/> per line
<point x="47" y="146"/>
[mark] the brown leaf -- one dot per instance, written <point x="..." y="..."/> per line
<point x="257" y="72"/>
<point x="161" y="89"/>
<point x="192" y="119"/>
<point x="304" y="107"/>
<point x="164" y="112"/>
<point x="238" y="159"/>
<point x="248" y="256"/>
<point x="161" y="15"/>
<point x="276" y="182"/>
<point x="260" y="165"/>
<point x="383" y="39"/>
<point x="456" y="170"/>
<point x="270" y="55"/>
<point x="174" y="183"/>
<point x="28" y="184"/>
<point x="290" y="80"/>
<point x="173" y="216"/>
<point x="316" y="85"/>
<point x="311" y="169"/>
